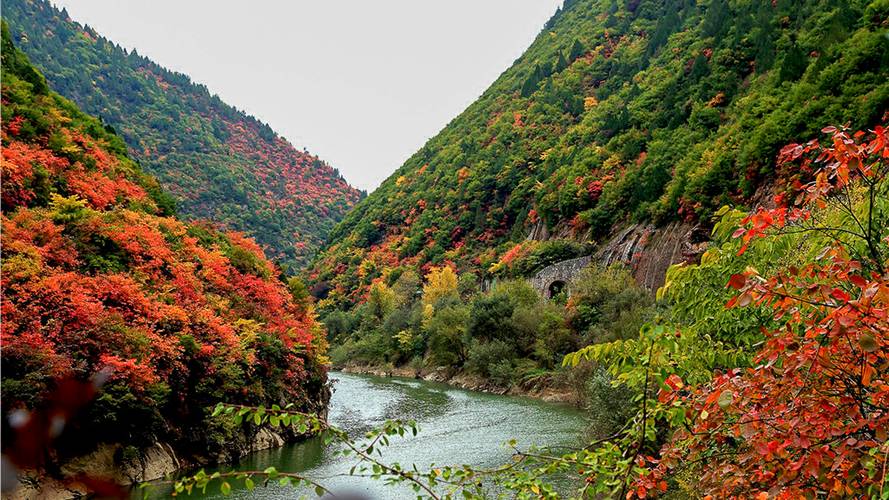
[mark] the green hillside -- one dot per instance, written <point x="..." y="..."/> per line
<point x="218" y="162"/>
<point x="621" y="110"/>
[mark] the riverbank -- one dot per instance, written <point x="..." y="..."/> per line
<point x="455" y="427"/>
<point x="125" y="466"/>
<point x="544" y="390"/>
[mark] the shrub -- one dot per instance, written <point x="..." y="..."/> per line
<point x="607" y="304"/>
<point x="446" y="333"/>
<point x="482" y="356"/>
<point x="609" y="405"/>
<point x="487" y="320"/>
<point x="503" y="372"/>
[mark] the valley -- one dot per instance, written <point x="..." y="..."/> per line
<point x="650" y="260"/>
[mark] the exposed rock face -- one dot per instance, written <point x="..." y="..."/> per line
<point x="266" y="439"/>
<point x="154" y="462"/>
<point x="649" y="250"/>
<point x="539" y="232"/>
<point x="151" y="463"/>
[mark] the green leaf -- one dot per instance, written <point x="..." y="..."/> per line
<point x="225" y="488"/>
<point x="271" y="472"/>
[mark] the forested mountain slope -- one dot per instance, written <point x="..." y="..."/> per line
<point x="101" y="281"/>
<point x="219" y="163"/>
<point x="620" y="111"/>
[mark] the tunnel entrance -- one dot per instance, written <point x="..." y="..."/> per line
<point x="555" y="288"/>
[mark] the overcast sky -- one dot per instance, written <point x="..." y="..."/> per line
<point x="362" y="84"/>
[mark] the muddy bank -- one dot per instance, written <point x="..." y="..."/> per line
<point x="544" y="390"/>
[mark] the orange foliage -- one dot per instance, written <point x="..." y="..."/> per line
<point x="811" y="417"/>
<point x="95" y="278"/>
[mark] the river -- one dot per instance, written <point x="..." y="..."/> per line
<point x="456" y="427"/>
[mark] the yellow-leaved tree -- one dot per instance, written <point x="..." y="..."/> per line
<point x="440" y="282"/>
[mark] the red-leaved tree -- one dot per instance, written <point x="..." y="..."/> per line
<point x="811" y="417"/>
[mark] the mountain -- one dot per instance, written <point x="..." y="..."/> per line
<point x="620" y="111"/>
<point x="101" y="281"/>
<point x="218" y="162"/>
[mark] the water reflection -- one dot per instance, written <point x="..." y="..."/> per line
<point x="456" y="427"/>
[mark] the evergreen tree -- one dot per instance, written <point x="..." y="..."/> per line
<point x="576" y="51"/>
<point x="716" y="18"/>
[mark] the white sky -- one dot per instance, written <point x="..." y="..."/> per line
<point x="363" y="84"/>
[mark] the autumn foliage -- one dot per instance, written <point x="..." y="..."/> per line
<point x="98" y="276"/>
<point x="218" y="162"/>
<point x="811" y="416"/>
<point x="619" y="113"/>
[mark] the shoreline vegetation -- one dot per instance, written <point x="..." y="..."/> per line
<point x="136" y="343"/>
<point x="550" y="392"/>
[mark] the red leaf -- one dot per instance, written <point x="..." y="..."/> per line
<point x="674" y="382"/>
<point x="840" y="295"/>
<point x="737" y="281"/>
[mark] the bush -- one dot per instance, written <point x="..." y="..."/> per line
<point x="482" y="357"/>
<point x="610" y="406"/>
<point x="339" y="325"/>
<point x="607" y="304"/>
<point x="502" y="373"/>
<point x="446" y="331"/>
<point x="486" y="318"/>
<point x="372" y="348"/>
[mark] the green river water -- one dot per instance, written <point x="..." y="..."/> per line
<point x="456" y="427"/>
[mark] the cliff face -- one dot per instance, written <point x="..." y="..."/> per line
<point x="126" y="466"/>
<point x="649" y="250"/>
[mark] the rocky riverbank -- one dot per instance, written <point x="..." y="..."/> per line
<point x="123" y="465"/>
<point x="544" y="390"/>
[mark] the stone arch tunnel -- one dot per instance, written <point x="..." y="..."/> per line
<point x="557" y="277"/>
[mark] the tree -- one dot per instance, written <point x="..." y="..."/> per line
<point x="380" y="301"/>
<point x="447" y="335"/>
<point x="576" y="51"/>
<point x="561" y="63"/>
<point x="441" y="282"/>
<point x="812" y="414"/>
<point x="489" y="318"/>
